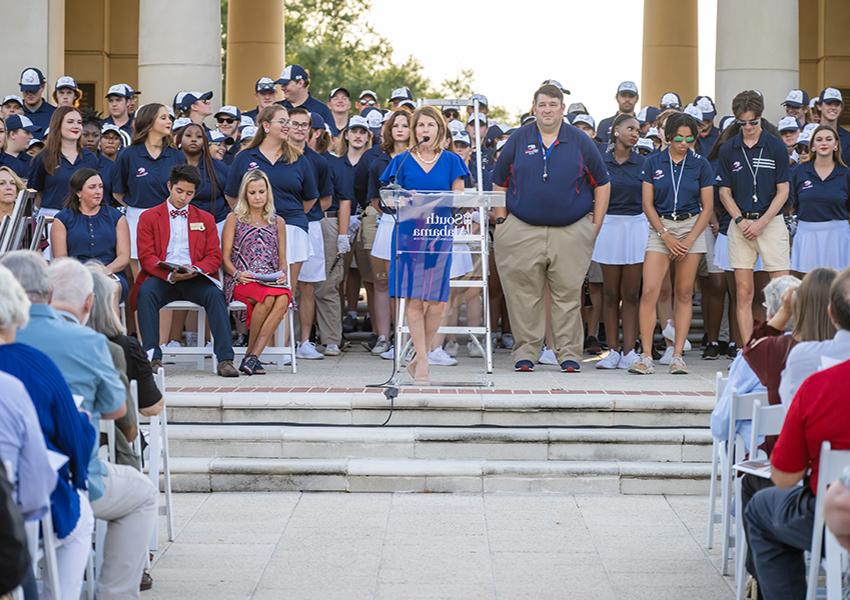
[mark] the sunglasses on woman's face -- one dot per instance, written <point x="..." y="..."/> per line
<point x="681" y="138"/>
<point x="226" y="121"/>
<point x="752" y="122"/>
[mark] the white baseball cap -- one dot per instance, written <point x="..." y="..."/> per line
<point x="586" y="119"/>
<point x="788" y="124"/>
<point x="65" y="81"/>
<point x="628" y="86"/>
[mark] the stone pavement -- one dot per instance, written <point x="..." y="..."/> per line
<point x="332" y="546"/>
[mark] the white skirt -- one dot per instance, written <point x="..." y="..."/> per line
<point x="382" y="246"/>
<point x="313" y="269"/>
<point x="298" y="248"/>
<point x="133" y="215"/>
<point x="461" y="261"/>
<point x="621" y="240"/>
<point x="721" y="255"/>
<point x="823" y="244"/>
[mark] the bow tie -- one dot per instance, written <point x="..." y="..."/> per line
<point x="179" y="213"/>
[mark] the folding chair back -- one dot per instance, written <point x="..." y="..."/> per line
<point x="158" y="460"/>
<point x="767" y="420"/>
<point x="714" y="517"/>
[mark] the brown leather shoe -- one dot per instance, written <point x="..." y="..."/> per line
<point x="147" y="581"/>
<point x="155" y="365"/>
<point x="226" y="369"/>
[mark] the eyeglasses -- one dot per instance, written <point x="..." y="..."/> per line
<point x="681" y="138"/>
<point x="295" y="125"/>
<point x="752" y="122"/>
<point x="282" y="122"/>
<point x="226" y="121"/>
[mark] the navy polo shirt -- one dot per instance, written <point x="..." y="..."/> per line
<point x="363" y="175"/>
<point x="20" y="164"/>
<point x="324" y="182"/>
<point x="54" y="188"/>
<point x="768" y="155"/>
<point x="41" y="116"/>
<point x="316" y="106"/>
<point x="626" y="185"/>
<point x="141" y="178"/>
<point x="126" y="127"/>
<point x="818" y="200"/>
<point x="603" y="130"/>
<point x="698" y="174"/>
<point x="376" y="169"/>
<point x="209" y="196"/>
<point x="251" y="113"/>
<point x="575" y="168"/>
<point x="705" y="144"/>
<point x="105" y="166"/>
<point x="292" y="184"/>
<point x="342" y="173"/>
<point x="723" y="217"/>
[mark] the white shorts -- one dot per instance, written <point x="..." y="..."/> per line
<point x="382" y="246"/>
<point x="721" y="255"/>
<point x="823" y="244"/>
<point x="706" y="264"/>
<point x="313" y="269"/>
<point x="298" y="248"/>
<point x="621" y="240"/>
<point x="461" y="261"/>
<point x="133" y="215"/>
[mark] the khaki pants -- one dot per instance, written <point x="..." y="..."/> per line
<point x="328" y="301"/>
<point x="527" y="256"/>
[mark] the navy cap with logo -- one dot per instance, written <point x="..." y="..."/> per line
<point x="461" y="137"/>
<point x="293" y="72"/>
<point x="629" y="87"/>
<point x="337" y="90"/>
<point x="670" y="100"/>
<point x="13" y="98"/>
<point x="370" y="93"/>
<point x="831" y="95"/>
<point x="706" y="105"/>
<point x="482" y="99"/>
<point x="264" y="84"/>
<point x="15" y="122"/>
<point x="648" y="114"/>
<point x="402" y="93"/>
<point x="586" y="119"/>
<point x="358" y="122"/>
<point x="65" y="82"/>
<point x="788" y="124"/>
<point x="557" y="84"/>
<point x="189" y="98"/>
<point x="577" y="108"/>
<point x="229" y="111"/>
<point x="482" y="119"/>
<point x="215" y="137"/>
<point x="31" y="79"/>
<point x="796" y="99"/>
<point x="121" y="90"/>
<point x="316" y="121"/>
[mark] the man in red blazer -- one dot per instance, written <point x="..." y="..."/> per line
<point x="180" y="234"/>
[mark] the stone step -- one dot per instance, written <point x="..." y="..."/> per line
<point x="461" y="408"/>
<point x="445" y="476"/>
<point x="456" y="443"/>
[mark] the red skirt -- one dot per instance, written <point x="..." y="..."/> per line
<point x="250" y="293"/>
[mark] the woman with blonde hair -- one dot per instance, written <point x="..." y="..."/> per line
<point x="10" y="186"/>
<point x="255" y="264"/>
<point x="290" y="176"/>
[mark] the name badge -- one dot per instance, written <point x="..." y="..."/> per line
<point x="196" y="226"/>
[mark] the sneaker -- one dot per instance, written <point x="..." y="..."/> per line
<point x="627" y="360"/>
<point x="286" y="360"/>
<point x="524" y="366"/>
<point x="473" y="350"/>
<point x="208" y="346"/>
<point x="440" y="358"/>
<point x="570" y="366"/>
<point x="643" y="366"/>
<point x="508" y="341"/>
<point x="389" y="353"/>
<point x="547" y="357"/>
<point x="670" y="333"/>
<point x="678" y="366"/>
<point x="307" y="351"/>
<point x="332" y="350"/>
<point x="667" y="357"/>
<point x="349" y="324"/>
<point x="175" y="344"/>
<point x="592" y="345"/>
<point x="381" y="346"/>
<point x="451" y="348"/>
<point x="711" y="351"/>
<point x="611" y="360"/>
<point x="226" y="369"/>
<point x="732" y="351"/>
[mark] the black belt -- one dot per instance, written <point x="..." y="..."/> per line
<point x="331" y="213"/>
<point x="752" y="216"/>
<point x="679" y="216"/>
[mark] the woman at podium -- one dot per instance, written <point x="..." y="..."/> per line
<point x="420" y="265"/>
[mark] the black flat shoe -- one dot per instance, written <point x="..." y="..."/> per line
<point x="257" y="366"/>
<point x="246" y="365"/>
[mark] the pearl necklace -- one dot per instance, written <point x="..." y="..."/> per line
<point x="428" y="162"/>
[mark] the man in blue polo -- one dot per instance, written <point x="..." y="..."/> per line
<point x="118" y="104"/>
<point x="35" y="106"/>
<point x="795" y="105"/>
<point x="831" y="107"/>
<point x="264" y="94"/>
<point x="557" y="195"/>
<point x="295" y="82"/>
<point x="626" y="97"/>
<point x="753" y="174"/>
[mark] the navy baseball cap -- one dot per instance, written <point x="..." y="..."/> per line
<point x="264" y="84"/>
<point x="628" y="87"/>
<point x="831" y="95"/>
<point x="706" y="105"/>
<point x="230" y="111"/>
<point x="358" y="122"/>
<point x="402" y="93"/>
<point x="189" y="98"/>
<point x="15" y="122"/>
<point x="796" y="99"/>
<point x="119" y="89"/>
<point x="648" y="114"/>
<point x="65" y="82"/>
<point x="336" y="90"/>
<point x="577" y="108"/>
<point x="31" y="79"/>
<point x="13" y="98"/>
<point x="557" y="84"/>
<point x="671" y="100"/>
<point x="296" y="72"/>
<point x="316" y="121"/>
<point x="788" y="124"/>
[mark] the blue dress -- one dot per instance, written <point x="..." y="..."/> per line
<point x="422" y="244"/>
<point x="93" y="238"/>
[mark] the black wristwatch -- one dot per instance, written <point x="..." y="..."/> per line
<point x="739" y="219"/>
<point x="500" y="220"/>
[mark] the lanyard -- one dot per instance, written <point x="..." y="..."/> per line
<point x="753" y="172"/>
<point x="676" y="184"/>
<point x="546" y="152"/>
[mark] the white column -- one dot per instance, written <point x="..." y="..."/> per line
<point x="34" y="36"/>
<point x="757" y="48"/>
<point x="179" y="49"/>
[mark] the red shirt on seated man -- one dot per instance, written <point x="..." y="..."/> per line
<point x="177" y="233"/>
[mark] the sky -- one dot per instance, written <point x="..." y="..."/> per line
<point x="588" y="55"/>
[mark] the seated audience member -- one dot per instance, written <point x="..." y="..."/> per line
<point x="65" y="430"/>
<point x="10" y="186"/>
<point x="17" y="568"/>
<point x="809" y="357"/>
<point x="90" y="229"/>
<point x="779" y="520"/>
<point x="802" y="306"/>
<point x="104" y="319"/>
<point x="178" y="233"/>
<point x="120" y="495"/>
<point x="255" y="244"/>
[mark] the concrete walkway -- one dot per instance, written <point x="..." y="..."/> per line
<point x="407" y="546"/>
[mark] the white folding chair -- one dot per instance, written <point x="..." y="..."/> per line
<point x="740" y="409"/>
<point x="107" y="427"/>
<point x="715" y="517"/>
<point x="158" y="461"/>
<point x="44" y="551"/>
<point x="832" y="463"/>
<point x="199" y="351"/>
<point x="279" y="350"/>
<point x="134" y="394"/>
<point x="766" y="420"/>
